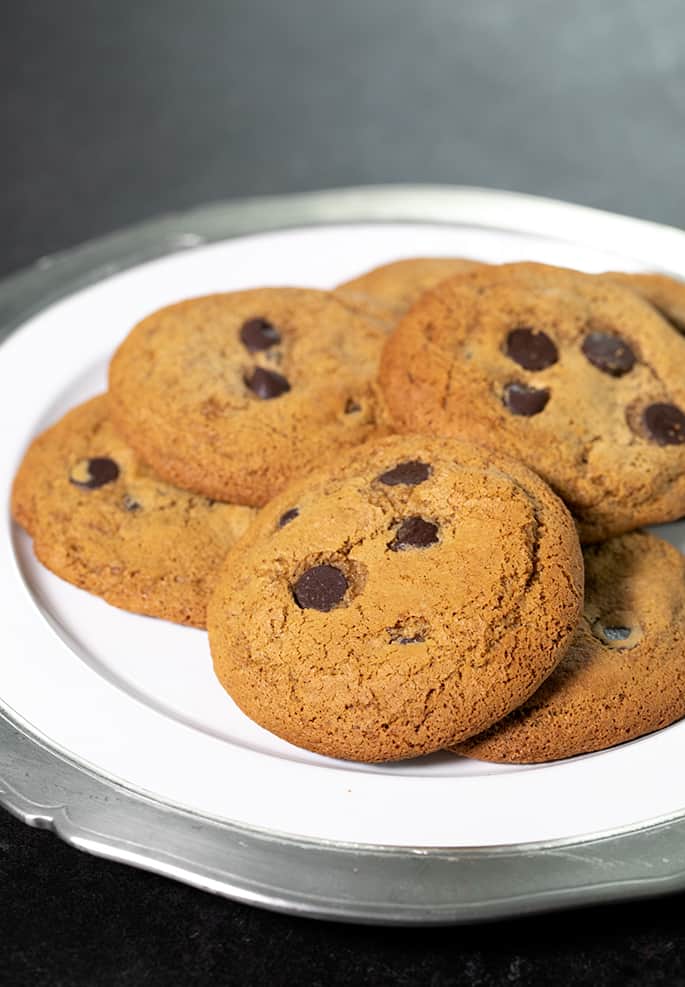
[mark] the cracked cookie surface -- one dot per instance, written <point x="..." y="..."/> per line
<point x="576" y="376"/>
<point x="624" y="674"/>
<point x="412" y="591"/>
<point x="385" y="293"/>
<point x="102" y="520"/>
<point x="231" y="395"/>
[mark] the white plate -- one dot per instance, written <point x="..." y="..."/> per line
<point x="135" y="699"/>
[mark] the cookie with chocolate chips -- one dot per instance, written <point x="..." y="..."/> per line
<point x="624" y="674"/>
<point x="102" y="520"/>
<point x="231" y="395"/>
<point x="387" y="292"/>
<point x="575" y="375"/>
<point x="415" y="590"/>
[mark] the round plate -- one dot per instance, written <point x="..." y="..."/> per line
<point x="125" y="710"/>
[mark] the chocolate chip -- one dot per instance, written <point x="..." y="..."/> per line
<point x="616" y="633"/>
<point x="288" y="517"/>
<point x="410" y="473"/>
<point x="259" y="334"/>
<point x="320" y="588"/>
<point x="130" y="503"/>
<point x="93" y="473"/>
<point x="414" y="532"/>
<point x="523" y="400"/>
<point x="665" y="424"/>
<point x="267" y="384"/>
<point x="408" y="630"/>
<point x="530" y="349"/>
<point x="608" y="353"/>
<point x="351" y="406"/>
<point x="417" y="639"/>
<point x="621" y="633"/>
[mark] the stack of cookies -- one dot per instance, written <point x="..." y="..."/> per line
<point x="375" y="499"/>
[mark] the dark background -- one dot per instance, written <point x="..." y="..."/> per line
<point x="112" y="112"/>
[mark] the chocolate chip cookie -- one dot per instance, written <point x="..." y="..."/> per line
<point x="666" y="294"/>
<point x="231" y="395"/>
<point x="413" y="592"/>
<point x="102" y="520"/>
<point x="578" y="377"/>
<point x="387" y="292"/>
<point x="624" y="674"/>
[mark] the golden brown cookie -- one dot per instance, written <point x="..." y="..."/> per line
<point x="102" y="520"/>
<point x="576" y="376"/>
<point x="413" y="592"/>
<point x="666" y="294"/>
<point x="231" y="395"/>
<point x="387" y="292"/>
<point x="624" y="674"/>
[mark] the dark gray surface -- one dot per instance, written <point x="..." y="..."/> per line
<point x="73" y="920"/>
<point x="113" y="112"/>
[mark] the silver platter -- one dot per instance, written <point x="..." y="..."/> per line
<point x="346" y="882"/>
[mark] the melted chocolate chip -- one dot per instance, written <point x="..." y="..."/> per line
<point x="621" y="633"/>
<point x="417" y="639"/>
<point x="523" y="400"/>
<point x="259" y="334"/>
<point x="94" y="473"/>
<point x="608" y="353"/>
<point x="351" y="406"/>
<point x="410" y="473"/>
<point x="320" y="588"/>
<point x="267" y="384"/>
<point x="665" y="424"/>
<point x="530" y="349"/>
<point x="616" y="633"/>
<point x="414" y="532"/>
<point x="287" y="517"/>
<point x="408" y="630"/>
<point x="130" y="503"/>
